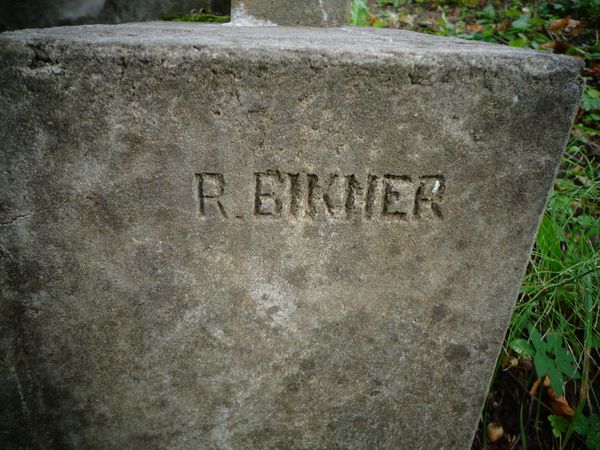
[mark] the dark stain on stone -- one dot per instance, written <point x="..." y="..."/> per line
<point x="296" y="277"/>
<point x="148" y="261"/>
<point x="360" y="422"/>
<point x="439" y="312"/>
<point x="462" y="244"/>
<point x="308" y="365"/>
<point x="456" y="353"/>
<point x="102" y="212"/>
<point x="133" y="140"/>
<point x="483" y="347"/>
<point x="459" y="407"/>
<point x="24" y="276"/>
<point x="272" y="310"/>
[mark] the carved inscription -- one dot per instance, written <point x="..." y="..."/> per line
<point x="279" y="195"/>
<point x="211" y="187"/>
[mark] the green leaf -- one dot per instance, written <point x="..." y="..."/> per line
<point x="536" y="339"/>
<point x="542" y="364"/>
<point x="593" y="433"/>
<point x="591" y="117"/>
<point x="520" y="42"/>
<point x="559" y="425"/>
<point x="489" y="12"/>
<point x="521" y="347"/>
<point x="556" y="380"/>
<point x="554" y="341"/>
<point x="564" y="365"/>
<point x="580" y="424"/>
<point x="591" y="99"/>
<point x="562" y="353"/>
<point x="522" y="23"/>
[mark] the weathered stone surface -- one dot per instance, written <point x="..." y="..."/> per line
<point x="315" y="13"/>
<point x="217" y="237"/>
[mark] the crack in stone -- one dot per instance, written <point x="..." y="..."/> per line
<point x="24" y="406"/>
<point x="15" y="219"/>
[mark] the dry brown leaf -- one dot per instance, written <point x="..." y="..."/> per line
<point x="593" y="71"/>
<point x="561" y="407"/>
<point x="572" y="24"/>
<point x="475" y="28"/>
<point x="565" y="25"/>
<point x="548" y="45"/>
<point x="503" y="26"/>
<point x="535" y="387"/>
<point x="558" y="24"/>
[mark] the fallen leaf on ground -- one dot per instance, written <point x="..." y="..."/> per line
<point x="535" y="387"/>
<point x="593" y="71"/>
<point x="503" y="26"/>
<point x="475" y="28"/>
<point x="559" y="405"/>
<point x="558" y="24"/>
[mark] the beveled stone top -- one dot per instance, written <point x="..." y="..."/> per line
<point x="343" y="43"/>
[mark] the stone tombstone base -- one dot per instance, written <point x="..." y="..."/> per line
<point x="247" y="238"/>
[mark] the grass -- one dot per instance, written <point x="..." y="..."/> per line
<point x="200" y="17"/>
<point x="544" y="394"/>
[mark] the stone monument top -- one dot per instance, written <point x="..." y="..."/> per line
<point x="315" y="13"/>
<point x="264" y="237"/>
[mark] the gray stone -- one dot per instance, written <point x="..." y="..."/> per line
<point x="232" y="238"/>
<point x="45" y="13"/>
<point x="315" y="13"/>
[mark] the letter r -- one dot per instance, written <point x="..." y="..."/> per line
<point x="211" y="186"/>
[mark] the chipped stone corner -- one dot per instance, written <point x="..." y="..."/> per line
<point x="241" y="18"/>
